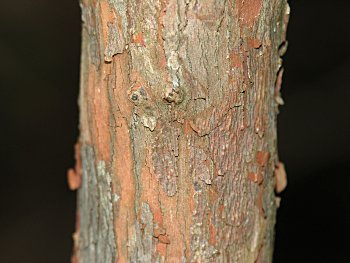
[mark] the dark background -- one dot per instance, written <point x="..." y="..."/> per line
<point x="39" y="80"/>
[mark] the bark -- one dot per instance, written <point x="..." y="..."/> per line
<point x="178" y="106"/>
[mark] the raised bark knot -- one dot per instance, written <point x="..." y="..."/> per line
<point x="174" y="96"/>
<point x="138" y="94"/>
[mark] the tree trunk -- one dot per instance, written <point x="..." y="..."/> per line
<point x="176" y="160"/>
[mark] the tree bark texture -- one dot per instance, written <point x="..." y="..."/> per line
<point x="176" y="160"/>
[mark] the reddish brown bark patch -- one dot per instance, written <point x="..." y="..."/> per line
<point x="248" y="10"/>
<point x="158" y="231"/>
<point x="163" y="239"/>
<point x="161" y="249"/>
<point x="123" y="169"/>
<point x="262" y="158"/>
<point x="254" y="43"/>
<point x="236" y="61"/>
<point x="212" y="234"/>
<point x="255" y="177"/>
<point x="138" y="39"/>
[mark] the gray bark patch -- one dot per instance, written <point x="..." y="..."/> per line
<point x="97" y="239"/>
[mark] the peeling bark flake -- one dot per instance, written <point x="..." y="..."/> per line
<point x="115" y="43"/>
<point x="74" y="175"/>
<point x="281" y="177"/>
